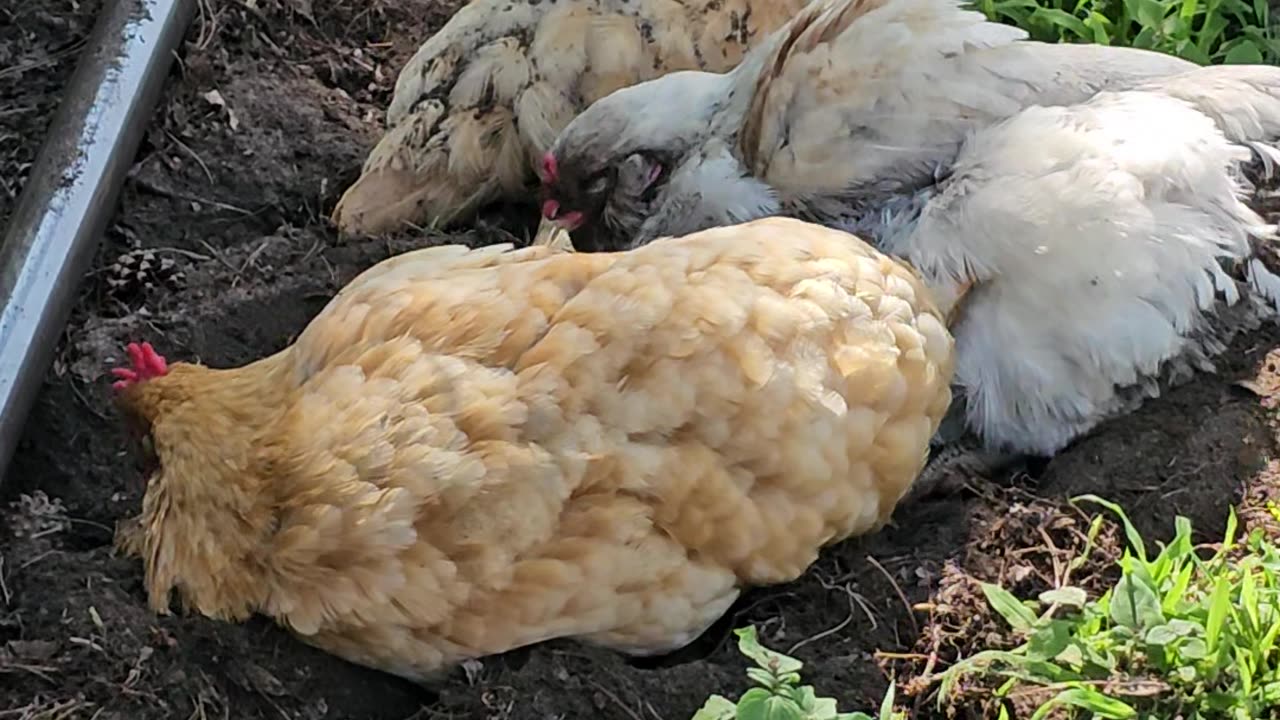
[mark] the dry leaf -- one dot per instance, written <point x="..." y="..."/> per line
<point x="303" y="8"/>
<point x="213" y="97"/>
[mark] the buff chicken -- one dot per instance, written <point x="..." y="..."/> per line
<point x="482" y="100"/>
<point x="468" y="451"/>
<point x="1088" y="199"/>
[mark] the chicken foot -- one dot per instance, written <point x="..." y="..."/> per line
<point x="952" y="466"/>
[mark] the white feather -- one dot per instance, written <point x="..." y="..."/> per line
<point x="1097" y="234"/>
<point x="711" y="188"/>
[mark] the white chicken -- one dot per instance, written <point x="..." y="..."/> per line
<point x="1090" y="197"/>
<point x="850" y="105"/>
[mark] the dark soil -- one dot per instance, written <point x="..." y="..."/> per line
<point x="263" y="124"/>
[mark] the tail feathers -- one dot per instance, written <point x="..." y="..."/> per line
<point x="1244" y="100"/>
<point x="435" y="169"/>
<point x="1264" y="262"/>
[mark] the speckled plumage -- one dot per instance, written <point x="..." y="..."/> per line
<point x="484" y="97"/>
<point x="472" y="450"/>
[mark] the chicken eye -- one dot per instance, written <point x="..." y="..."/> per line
<point x="598" y="185"/>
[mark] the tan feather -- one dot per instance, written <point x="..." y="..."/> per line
<point x="470" y="451"/>
<point x="532" y="66"/>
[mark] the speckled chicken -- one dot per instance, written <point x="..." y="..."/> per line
<point x="1092" y="201"/>
<point x="483" y="99"/>
<point x="468" y="451"/>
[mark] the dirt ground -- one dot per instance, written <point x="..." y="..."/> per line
<point x="263" y="124"/>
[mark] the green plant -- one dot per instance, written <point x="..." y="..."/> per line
<point x="1202" y="31"/>
<point x="1177" y="636"/>
<point x="778" y="694"/>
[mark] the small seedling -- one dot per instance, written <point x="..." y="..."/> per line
<point x="1180" y="635"/>
<point x="778" y="694"/>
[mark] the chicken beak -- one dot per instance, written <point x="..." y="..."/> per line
<point x="553" y="235"/>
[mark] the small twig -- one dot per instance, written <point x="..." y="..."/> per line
<point x="605" y="691"/>
<point x="93" y="410"/>
<point x="652" y="712"/>
<point x="4" y="587"/>
<point x="218" y="256"/>
<point x="39" y="671"/>
<point x="825" y="633"/>
<point x="899" y="656"/>
<point x="915" y="627"/>
<point x="194" y="156"/>
<point x="36" y="559"/>
<point x="184" y="253"/>
<point x="90" y="523"/>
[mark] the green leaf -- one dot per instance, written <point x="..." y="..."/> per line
<point x="1100" y="27"/>
<point x="716" y="707"/>
<point x="1188" y="50"/>
<point x="1160" y="636"/>
<point x="1178" y="590"/>
<point x="1062" y="19"/>
<point x="1244" y="53"/>
<point x="823" y="709"/>
<point x="886" y="705"/>
<point x="767" y="659"/>
<point x="1046" y="642"/>
<point x="1135" y="605"/>
<point x="1271" y="693"/>
<point x="1007" y="5"/>
<point x="1210" y="31"/>
<point x="1145" y="39"/>
<point x="1219" y="605"/>
<point x="1071" y="656"/>
<point x="1244" y="669"/>
<point x="1018" y="616"/>
<point x="1249" y="598"/>
<point x="1069" y="596"/>
<point x="1173" y="556"/>
<point x="1150" y="13"/>
<point x="763" y="678"/>
<point x="1130" y="532"/>
<point x="1087" y="699"/>
<point x="1193" y="649"/>
<point x="804" y="696"/>
<point x="760" y="704"/>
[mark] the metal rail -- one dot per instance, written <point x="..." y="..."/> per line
<point x="73" y="190"/>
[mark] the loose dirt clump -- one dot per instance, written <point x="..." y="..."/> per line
<point x="264" y="122"/>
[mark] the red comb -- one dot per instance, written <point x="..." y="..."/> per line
<point x="146" y="364"/>
<point x="549" y="170"/>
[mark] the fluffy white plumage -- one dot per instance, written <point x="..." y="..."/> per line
<point x="1098" y="238"/>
